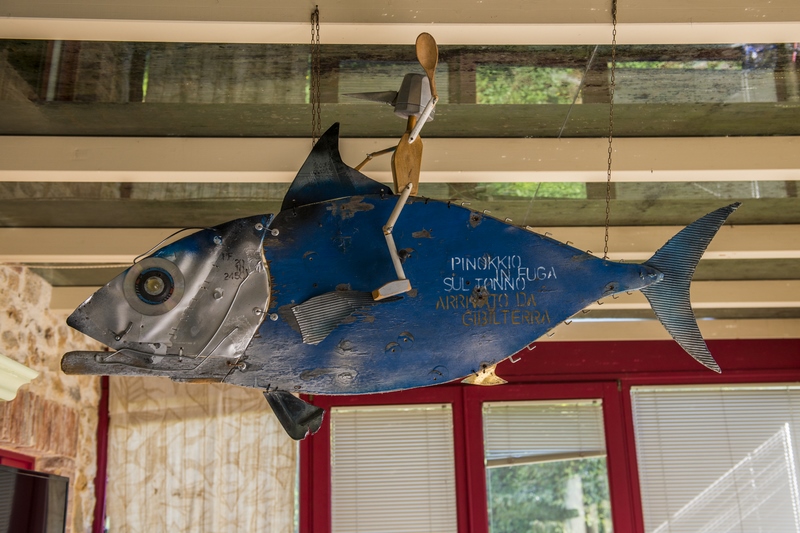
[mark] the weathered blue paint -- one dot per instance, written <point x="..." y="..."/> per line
<point x="482" y="289"/>
<point x="253" y="289"/>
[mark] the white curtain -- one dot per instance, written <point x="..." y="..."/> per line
<point x="196" y="458"/>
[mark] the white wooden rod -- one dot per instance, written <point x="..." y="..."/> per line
<point x="742" y="328"/>
<point x="627" y="243"/>
<point x="387" y="33"/>
<point x="229" y="160"/>
<point x="755" y="294"/>
<point x="760" y="294"/>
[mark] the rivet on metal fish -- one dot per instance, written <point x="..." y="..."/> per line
<point x="314" y="299"/>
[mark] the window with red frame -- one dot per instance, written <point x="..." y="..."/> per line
<point x="618" y="379"/>
<point x="16" y="460"/>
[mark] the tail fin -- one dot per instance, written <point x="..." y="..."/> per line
<point x="669" y="298"/>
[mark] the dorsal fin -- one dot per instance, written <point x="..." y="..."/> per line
<point x="324" y="176"/>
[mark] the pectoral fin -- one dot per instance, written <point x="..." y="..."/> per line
<point x="320" y="315"/>
<point x="298" y="418"/>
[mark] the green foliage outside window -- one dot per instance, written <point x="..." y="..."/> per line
<point x="497" y="84"/>
<point x="535" y="190"/>
<point x="533" y="498"/>
<point x="684" y="65"/>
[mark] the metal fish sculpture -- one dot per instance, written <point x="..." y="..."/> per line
<point x="352" y="289"/>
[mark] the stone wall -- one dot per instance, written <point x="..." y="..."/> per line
<point x="54" y="418"/>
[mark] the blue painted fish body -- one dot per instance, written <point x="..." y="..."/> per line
<point x="334" y="296"/>
<point x="482" y="289"/>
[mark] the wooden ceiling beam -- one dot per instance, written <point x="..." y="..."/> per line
<point x="632" y="330"/>
<point x="754" y="294"/>
<point x="760" y="294"/>
<point x="629" y="243"/>
<point x="231" y="160"/>
<point x="396" y="34"/>
<point x="382" y="22"/>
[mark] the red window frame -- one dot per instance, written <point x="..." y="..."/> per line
<point x="17" y="460"/>
<point x="570" y="370"/>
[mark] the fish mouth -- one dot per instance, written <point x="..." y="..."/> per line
<point x="81" y="320"/>
<point x="80" y="362"/>
<point x="126" y="362"/>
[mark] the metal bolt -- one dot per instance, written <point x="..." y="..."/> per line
<point x="217" y="240"/>
<point x="257" y="311"/>
<point x="217" y="294"/>
<point x="275" y="232"/>
<point x="259" y="226"/>
<point x="273" y="317"/>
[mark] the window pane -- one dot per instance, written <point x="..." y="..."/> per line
<point x="262" y="90"/>
<point x="392" y="469"/>
<point x="546" y="467"/>
<point x="718" y="458"/>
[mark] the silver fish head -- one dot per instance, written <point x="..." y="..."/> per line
<point x="203" y="294"/>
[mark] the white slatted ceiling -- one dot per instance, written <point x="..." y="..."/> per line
<point x="392" y="469"/>
<point x="718" y="458"/>
<point x="525" y="429"/>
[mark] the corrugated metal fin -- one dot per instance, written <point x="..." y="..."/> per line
<point x="677" y="260"/>
<point x="320" y="315"/>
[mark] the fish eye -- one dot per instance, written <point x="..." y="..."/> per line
<point x="153" y="286"/>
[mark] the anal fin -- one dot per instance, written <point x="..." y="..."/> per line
<point x="298" y="418"/>
<point x="485" y="377"/>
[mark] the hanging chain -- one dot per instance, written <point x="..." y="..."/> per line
<point x="316" y="119"/>
<point x="611" y="119"/>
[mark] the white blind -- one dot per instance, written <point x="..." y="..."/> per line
<point x="541" y="431"/>
<point x="718" y="459"/>
<point x="392" y="469"/>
